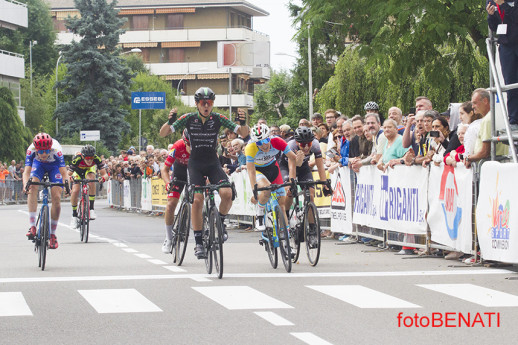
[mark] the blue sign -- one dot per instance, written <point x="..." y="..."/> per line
<point x="148" y="100"/>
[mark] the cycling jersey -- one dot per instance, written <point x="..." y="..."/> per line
<point x="315" y="149"/>
<point x="260" y="158"/>
<point x="203" y="136"/>
<point x="178" y="153"/>
<point x="79" y="164"/>
<point x="50" y="166"/>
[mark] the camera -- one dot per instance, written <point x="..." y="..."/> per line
<point x="461" y="156"/>
<point x="412" y="111"/>
<point x="434" y="134"/>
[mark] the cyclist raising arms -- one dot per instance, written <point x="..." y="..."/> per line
<point x="304" y="145"/>
<point x="179" y="156"/>
<point x="203" y="128"/>
<point x="263" y="169"/>
<point x="45" y="156"/>
<point x="84" y="166"/>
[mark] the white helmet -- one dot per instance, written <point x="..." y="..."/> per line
<point x="259" y="132"/>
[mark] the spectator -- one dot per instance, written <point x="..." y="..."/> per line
<point x="423" y="103"/>
<point x="324" y="133"/>
<point x="440" y="143"/>
<point x="317" y="119"/>
<point x="237" y="145"/>
<point x="396" y="114"/>
<point x="357" y="123"/>
<point x="457" y="155"/>
<point x="373" y="121"/>
<point x="261" y="120"/>
<point x="468" y="116"/>
<point x="331" y="116"/>
<point x="481" y="105"/>
<point x="331" y="142"/>
<point x="304" y="123"/>
<point x="275" y="131"/>
<point x="135" y="171"/>
<point x="286" y="132"/>
<point x="393" y="150"/>
<point x="150" y="149"/>
<point x="503" y="18"/>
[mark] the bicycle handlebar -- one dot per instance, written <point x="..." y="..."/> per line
<point x="273" y="186"/>
<point x="46" y="184"/>
<point x="312" y="183"/>
<point x="85" y="181"/>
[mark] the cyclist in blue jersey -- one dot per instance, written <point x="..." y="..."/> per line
<point x="45" y="156"/>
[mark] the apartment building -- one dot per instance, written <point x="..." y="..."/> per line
<point x="178" y="41"/>
<point x="13" y="15"/>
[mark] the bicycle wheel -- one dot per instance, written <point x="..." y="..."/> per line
<point x="271" y="250"/>
<point x="312" y="233"/>
<point x="87" y="221"/>
<point x="43" y="236"/>
<point x="80" y="216"/>
<point x="216" y="232"/>
<point x="294" y="240"/>
<point x="182" y="232"/>
<point x="284" y="241"/>
<point x="207" y="241"/>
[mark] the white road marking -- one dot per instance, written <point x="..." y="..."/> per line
<point x="13" y="304"/>
<point x="310" y="338"/>
<point x="118" y="301"/>
<point x="130" y="250"/>
<point x="143" y="256"/>
<point x="475" y="294"/>
<point x="120" y="245"/>
<point x="257" y="275"/>
<point x="174" y="269"/>
<point x="273" y="318"/>
<point x="157" y="262"/>
<point x="362" y="296"/>
<point x="241" y="297"/>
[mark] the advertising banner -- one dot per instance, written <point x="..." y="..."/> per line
<point x="145" y="197"/>
<point x="450" y="206"/>
<point x="497" y="220"/>
<point x="158" y="193"/>
<point x="242" y="204"/>
<point x="341" y="210"/>
<point x="321" y="202"/>
<point x="395" y="200"/>
<point x="127" y="194"/>
<point x="109" y="192"/>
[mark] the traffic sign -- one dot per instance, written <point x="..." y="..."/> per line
<point x="90" y="135"/>
<point x="148" y="100"/>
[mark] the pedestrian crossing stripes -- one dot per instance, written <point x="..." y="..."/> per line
<point x="106" y="301"/>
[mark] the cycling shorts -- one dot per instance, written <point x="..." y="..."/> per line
<point x="39" y="169"/>
<point x="81" y="173"/>
<point x="303" y="173"/>
<point x="272" y="174"/>
<point x="200" y="169"/>
<point x="180" y="173"/>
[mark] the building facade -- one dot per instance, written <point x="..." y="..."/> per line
<point x="14" y="15"/>
<point x="178" y="41"/>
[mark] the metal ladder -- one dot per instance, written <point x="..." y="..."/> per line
<point x="496" y="88"/>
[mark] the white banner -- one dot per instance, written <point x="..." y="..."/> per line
<point x="496" y="222"/>
<point x="341" y="210"/>
<point x="395" y="200"/>
<point x="145" y="197"/>
<point x="242" y="204"/>
<point x="450" y="206"/>
<point x="127" y="195"/>
<point x="108" y="186"/>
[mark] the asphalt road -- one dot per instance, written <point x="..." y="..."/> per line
<point x="121" y="289"/>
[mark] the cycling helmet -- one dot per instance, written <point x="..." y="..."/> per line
<point x="42" y="141"/>
<point x="371" y="106"/>
<point x="259" y="132"/>
<point x="186" y="137"/>
<point x="88" y="151"/>
<point x="304" y="135"/>
<point x="204" y="93"/>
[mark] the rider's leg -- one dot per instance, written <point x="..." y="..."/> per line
<point x="32" y="202"/>
<point x="73" y="198"/>
<point x="92" y="189"/>
<point x="55" y="210"/>
<point x="172" y="202"/>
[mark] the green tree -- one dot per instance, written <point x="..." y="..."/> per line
<point x="15" y="136"/>
<point x="97" y="82"/>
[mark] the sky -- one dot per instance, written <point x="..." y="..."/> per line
<point x="278" y="26"/>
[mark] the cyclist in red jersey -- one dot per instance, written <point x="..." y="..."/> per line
<point x="177" y="158"/>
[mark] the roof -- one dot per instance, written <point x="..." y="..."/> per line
<point x="242" y="6"/>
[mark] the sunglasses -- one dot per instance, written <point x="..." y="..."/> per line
<point x="262" y="142"/>
<point x="43" y="152"/>
<point x="205" y="102"/>
<point x="305" y="144"/>
<point x="89" y="158"/>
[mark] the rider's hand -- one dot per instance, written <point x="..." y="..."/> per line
<point x="67" y="189"/>
<point x="172" y="116"/>
<point x="327" y="189"/>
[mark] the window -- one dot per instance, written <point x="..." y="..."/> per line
<point x="145" y="54"/>
<point x="140" y="22"/>
<point x="176" y="55"/>
<point x="174" y="21"/>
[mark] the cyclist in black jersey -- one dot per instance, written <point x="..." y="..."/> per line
<point x="203" y="127"/>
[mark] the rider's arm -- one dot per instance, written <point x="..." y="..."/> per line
<point x="321" y="170"/>
<point x="165" y="174"/>
<point x="292" y="165"/>
<point x="26" y="174"/>
<point x="64" y="172"/>
<point x="104" y="174"/>
<point x="167" y="129"/>
<point x="250" y="168"/>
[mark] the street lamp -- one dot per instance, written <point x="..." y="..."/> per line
<point x="193" y="72"/>
<point x="57" y="64"/>
<point x="134" y="50"/>
<point x="31" y="44"/>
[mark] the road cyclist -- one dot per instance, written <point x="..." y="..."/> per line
<point x="203" y="127"/>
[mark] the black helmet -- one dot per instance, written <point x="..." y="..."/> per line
<point x="88" y="151"/>
<point x="304" y="135"/>
<point x="204" y="93"/>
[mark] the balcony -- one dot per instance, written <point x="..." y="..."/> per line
<point x="222" y="101"/>
<point x="187" y="68"/>
<point x="12" y="64"/>
<point x="180" y="35"/>
<point x="13" y="14"/>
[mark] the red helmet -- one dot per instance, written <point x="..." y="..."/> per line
<point x="42" y="141"/>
